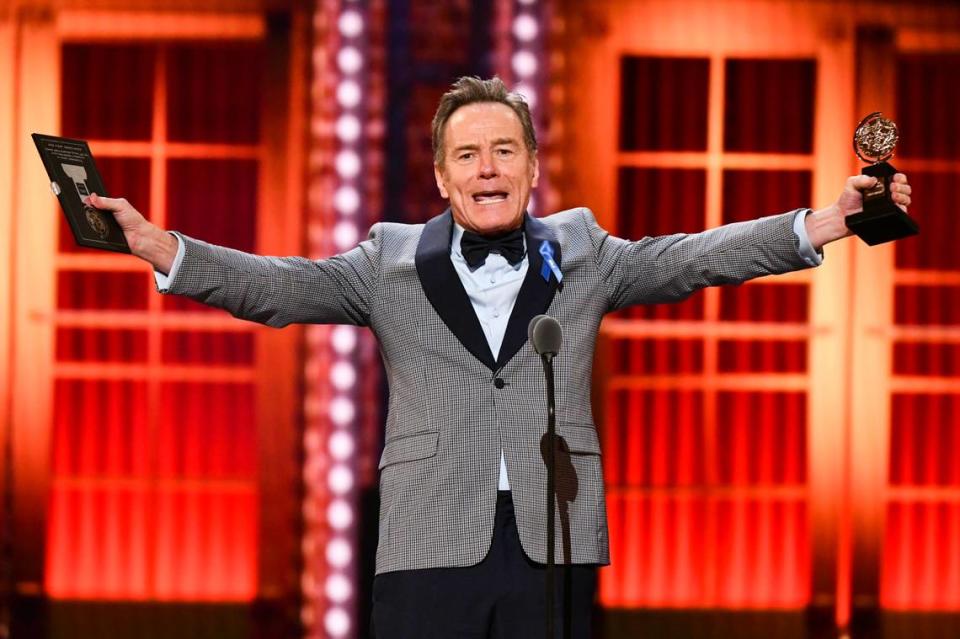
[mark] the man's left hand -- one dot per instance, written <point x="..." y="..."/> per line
<point x="829" y="224"/>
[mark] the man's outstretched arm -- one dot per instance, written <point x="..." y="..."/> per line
<point x="276" y="291"/>
<point x="669" y="268"/>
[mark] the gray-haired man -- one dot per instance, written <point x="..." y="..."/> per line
<point x="462" y="542"/>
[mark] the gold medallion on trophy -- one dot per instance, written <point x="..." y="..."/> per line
<point x="875" y="138"/>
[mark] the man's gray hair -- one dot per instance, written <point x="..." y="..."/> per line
<point x="471" y="90"/>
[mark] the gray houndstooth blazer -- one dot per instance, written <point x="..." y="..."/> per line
<point x="448" y="416"/>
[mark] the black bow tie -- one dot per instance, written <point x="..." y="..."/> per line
<point x="475" y="248"/>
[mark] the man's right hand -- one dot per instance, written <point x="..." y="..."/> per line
<point x="147" y="241"/>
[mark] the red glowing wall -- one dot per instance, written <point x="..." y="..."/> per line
<point x="154" y="447"/>
<point x="921" y="540"/>
<point x="705" y="434"/>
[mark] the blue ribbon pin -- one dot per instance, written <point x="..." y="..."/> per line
<point x="549" y="264"/>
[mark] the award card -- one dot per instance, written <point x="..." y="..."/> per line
<point x="73" y="176"/>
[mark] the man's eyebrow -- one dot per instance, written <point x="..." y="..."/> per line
<point x="476" y="147"/>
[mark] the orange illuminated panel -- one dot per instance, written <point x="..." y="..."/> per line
<point x="98" y="542"/>
<point x="763" y="551"/>
<point x="100" y="429"/>
<point x="206" y="430"/>
<point x="749" y="194"/>
<point x="925" y="440"/>
<point x="690" y="309"/>
<point x="934" y="133"/>
<point x="761" y="439"/>
<point x="657" y="356"/>
<point x="679" y="540"/>
<point x="926" y="305"/>
<point x="657" y="552"/>
<point x="924" y="358"/>
<point x="762" y="356"/>
<point x="691" y="551"/>
<point x="101" y="345"/>
<point x="205" y="543"/>
<point x="920" y="568"/>
<point x="655" y="201"/>
<point x="102" y="290"/>
<point x="223" y="77"/>
<point x="663" y="103"/>
<point x="654" y="438"/>
<point x="765" y="302"/>
<point x="141" y="543"/>
<point x="207" y="347"/>
<point x="215" y="199"/>
<point x="98" y="533"/>
<point x="935" y="195"/>
<point x="705" y="420"/>
<point x="92" y="114"/>
<point x="769" y="105"/>
<point x="154" y="452"/>
<point x="921" y="541"/>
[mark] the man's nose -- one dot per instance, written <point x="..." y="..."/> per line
<point x="488" y="167"/>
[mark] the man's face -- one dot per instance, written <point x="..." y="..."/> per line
<point x="487" y="172"/>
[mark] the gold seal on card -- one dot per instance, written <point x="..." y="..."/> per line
<point x="875" y="138"/>
<point x="97" y="221"/>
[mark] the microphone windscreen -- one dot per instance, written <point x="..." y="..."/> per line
<point x="533" y="323"/>
<point x="546" y="336"/>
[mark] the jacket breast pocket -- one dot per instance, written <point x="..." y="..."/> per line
<point x="409" y="448"/>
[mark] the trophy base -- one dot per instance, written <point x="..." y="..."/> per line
<point x="881" y="220"/>
<point x="882" y="223"/>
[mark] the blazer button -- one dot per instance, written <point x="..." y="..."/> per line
<point x="499" y="383"/>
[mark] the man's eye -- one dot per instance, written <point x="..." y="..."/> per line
<point x="504" y="152"/>
<point x="465" y="156"/>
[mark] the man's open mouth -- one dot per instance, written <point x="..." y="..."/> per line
<point x="489" y="197"/>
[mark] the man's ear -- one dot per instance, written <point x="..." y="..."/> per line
<point x="536" y="171"/>
<point x="438" y="176"/>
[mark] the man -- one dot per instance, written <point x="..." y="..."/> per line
<point x="462" y="539"/>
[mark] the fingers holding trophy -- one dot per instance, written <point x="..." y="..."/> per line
<point x="881" y="220"/>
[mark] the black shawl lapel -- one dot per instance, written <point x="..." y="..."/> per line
<point x="443" y="288"/>
<point x="536" y="294"/>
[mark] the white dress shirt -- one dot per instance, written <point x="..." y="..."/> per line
<point x="492" y="288"/>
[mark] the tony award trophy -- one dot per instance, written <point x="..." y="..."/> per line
<point x="881" y="219"/>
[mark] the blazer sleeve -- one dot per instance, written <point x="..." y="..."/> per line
<point x="670" y="268"/>
<point x="278" y="291"/>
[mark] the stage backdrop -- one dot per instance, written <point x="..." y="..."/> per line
<point x="156" y="441"/>
<point x="789" y="444"/>
<point x="785" y="446"/>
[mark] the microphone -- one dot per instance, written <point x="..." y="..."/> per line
<point x="546" y="336"/>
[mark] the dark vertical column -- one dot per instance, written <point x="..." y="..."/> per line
<point x="429" y="45"/>
<point x="875" y="84"/>
<point x="276" y="610"/>
<point x="399" y="78"/>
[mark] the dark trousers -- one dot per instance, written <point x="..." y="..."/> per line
<point x="502" y="597"/>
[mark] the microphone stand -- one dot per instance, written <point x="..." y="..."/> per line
<point x="547" y="360"/>
<point x="546" y="336"/>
